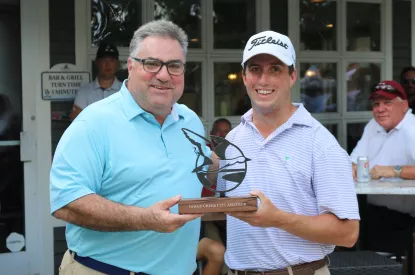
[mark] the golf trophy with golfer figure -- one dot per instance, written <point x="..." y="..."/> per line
<point x="233" y="171"/>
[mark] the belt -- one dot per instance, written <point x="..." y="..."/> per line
<point x="103" y="267"/>
<point x="305" y="268"/>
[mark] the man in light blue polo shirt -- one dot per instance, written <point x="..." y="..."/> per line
<point x="123" y="165"/>
<point x="303" y="178"/>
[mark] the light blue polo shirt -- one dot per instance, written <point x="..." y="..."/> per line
<point x="117" y="150"/>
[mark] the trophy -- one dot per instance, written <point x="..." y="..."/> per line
<point x="221" y="203"/>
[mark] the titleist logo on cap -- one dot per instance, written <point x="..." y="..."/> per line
<point x="264" y="40"/>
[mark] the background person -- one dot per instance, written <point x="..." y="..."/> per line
<point x="104" y="85"/>
<point x="211" y="253"/>
<point x="408" y="83"/>
<point x="388" y="141"/>
<point x="387" y="137"/>
<point x="220" y="128"/>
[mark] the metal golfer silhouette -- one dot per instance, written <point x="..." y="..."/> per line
<point x="236" y="175"/>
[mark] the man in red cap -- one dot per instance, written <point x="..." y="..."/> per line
<point x="388" y="142"/>
<point x="391" y="125"/>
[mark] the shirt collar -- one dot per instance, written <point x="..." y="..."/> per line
<point x="176" y="112"/>
<point x="300" y="117"/>
<point x="132" y="109"/>
<point x="114" y="86"/>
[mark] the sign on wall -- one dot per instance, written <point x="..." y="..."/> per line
<point x="62" y="82"/>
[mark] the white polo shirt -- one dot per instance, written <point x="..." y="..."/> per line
<point x="302" y="169"/>
<point x="392" y="148"/>
<point x="92" y="92"/>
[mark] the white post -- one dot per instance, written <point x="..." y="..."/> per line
<point x="36" y="125"/>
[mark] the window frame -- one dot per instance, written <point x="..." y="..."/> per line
<point x="207" y="55"/>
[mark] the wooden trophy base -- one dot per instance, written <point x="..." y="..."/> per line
<point x="217" y="205"/>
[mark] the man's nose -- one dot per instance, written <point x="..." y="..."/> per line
<point x="108" y="63"/>
<point x="381" y="107"/>
<point x="163" y="74"/>
<point x="264" y="79"/>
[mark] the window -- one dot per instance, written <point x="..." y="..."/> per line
<point x="336" y="78"/>
<point x="402" y="38"/>
<point x="318" y="25"/>
<point x="363" y="27"/>
<point x="192" y="95"/>
<point x="233" y="23"/>
<point x="231" y="98"/>
<point x="318" y="84"/>
<point x="114" y="21"/>
<point x="278" y="15"/>
<point x="186" y="14"/>
<point x="338" y="43"/>
<point x="360" y="78"/>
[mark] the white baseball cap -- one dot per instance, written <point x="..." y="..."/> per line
<point x="270" y="42"/>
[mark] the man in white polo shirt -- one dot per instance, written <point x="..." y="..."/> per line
<point x="301" y="175"/>
<point x="388" y="141"/>
<point x="104" y="85"/>
<point x="388" y="138"/>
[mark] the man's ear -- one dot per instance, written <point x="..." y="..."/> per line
<point x="243" y="76"/>
<point x="406" y="106"/>
<point x="293" y="77"/>
<point x="130" y="65"/>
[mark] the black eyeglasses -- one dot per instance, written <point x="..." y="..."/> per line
<point x="407" y="81"/>
<point x="176" y="68"/>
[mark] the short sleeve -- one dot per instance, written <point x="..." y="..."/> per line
<point x="81" y="97"/>
<point x="78" y="165"/>
<point x="333" y="184"/>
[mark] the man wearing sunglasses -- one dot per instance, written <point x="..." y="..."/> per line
<point x="388" y="141"/>
<point x="408" y="83"/>
<point x="123" y="165"/>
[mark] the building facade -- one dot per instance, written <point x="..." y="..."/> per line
<point x="343" y="47"/>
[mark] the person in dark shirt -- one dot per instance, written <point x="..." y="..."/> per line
<point x="408" y="83"/>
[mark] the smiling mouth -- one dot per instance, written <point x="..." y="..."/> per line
<point x="264" y="92"/>
<point x="160" y="87"/>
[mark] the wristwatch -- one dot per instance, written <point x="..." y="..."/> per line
<point x="398" y="170"/>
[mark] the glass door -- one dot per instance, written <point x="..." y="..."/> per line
<point x="14" y="258"/>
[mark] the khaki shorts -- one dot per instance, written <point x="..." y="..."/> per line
<point x="71" y="267"/>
